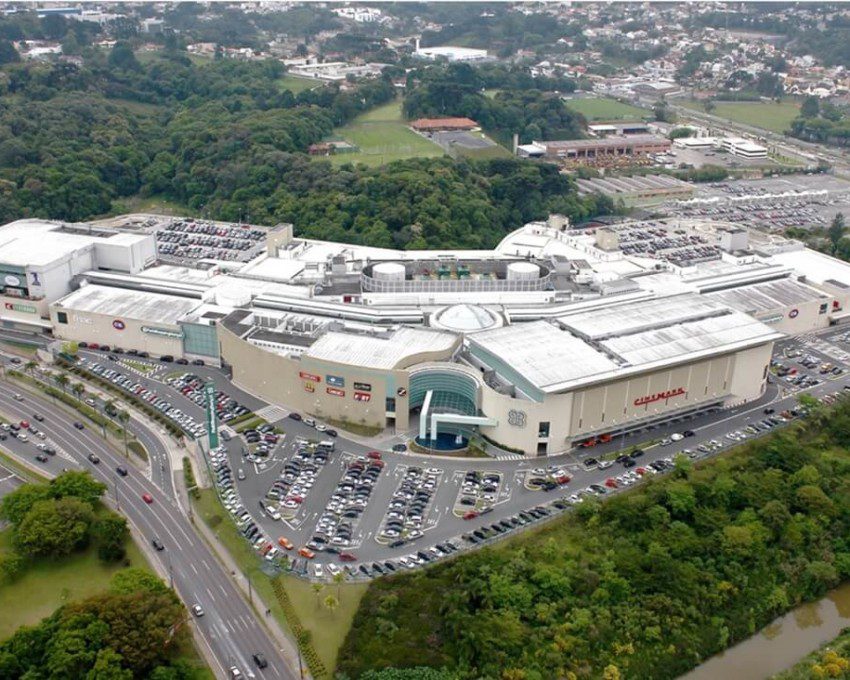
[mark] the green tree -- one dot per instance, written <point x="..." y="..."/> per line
<point x="8" y="53"/>
<point x="331" y="603"/>
<point x="136" y="580"/>
<point x="124" y="418"/>
<point x="55" y="527"/>
<point x="107" y="666"/>
<point x="77" y="484"/>
<point x="810" y="108"/>
<point x="30" y="366"/>
<point x="62" y="380"/>
<point x="79" y="390"/>
<point x="15" y="505"/>
<point x="835" y="233"/>
<point x="122" y="57"/>
<point x="110" y="533"/>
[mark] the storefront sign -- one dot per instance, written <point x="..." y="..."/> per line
<point x="333" y="391"/>
<point x="309" y="387"/>
<point x="17" y="307"/>
<point x="11" y="280"/>
<point x="401" y="391"/>
<point x="309" y="376"/>
<point x="659" y="396"/>
<point x="162" y="332"/>
<point x="793" y="313"/>
<point x="362" y="396"/>
<point x="363" y="387"/>
<point x="335" y="380"/>
<point x="118" y="325"/>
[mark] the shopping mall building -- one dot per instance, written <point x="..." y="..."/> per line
<point x="555" y="337"/>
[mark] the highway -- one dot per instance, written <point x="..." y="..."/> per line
<point x="229" y="627"/>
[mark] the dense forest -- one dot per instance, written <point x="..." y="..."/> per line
<point x="226" y="139"/>
<point x="646" y="584"/>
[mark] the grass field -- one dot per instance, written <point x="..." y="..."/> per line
<point x="382" y="137"/>
<point x="153" y="205"/>
<point x="598" y="108"/>
<point x="327" y="629"/>
<point x="48" y="584"/>
<point x="295" y="84"/>
<point x="767" y="115"/>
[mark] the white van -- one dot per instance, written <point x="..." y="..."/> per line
<point x="327" y="445"/>
<point x="310" y="421"/>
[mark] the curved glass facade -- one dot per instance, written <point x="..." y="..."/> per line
<point x="453" y="392"/>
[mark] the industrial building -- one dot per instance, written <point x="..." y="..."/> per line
<point x="555" y="338"/>
<point x="638" y="190"/>
<point x="609" y="146"/>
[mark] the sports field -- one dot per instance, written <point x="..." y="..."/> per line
<point x="601" y="108"/>
<point x="295" y="84"/>
<point x="382" y="136"/>
<point x="767" y="115"/>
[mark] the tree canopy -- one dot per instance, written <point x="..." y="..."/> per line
<point x="645" y="584"/>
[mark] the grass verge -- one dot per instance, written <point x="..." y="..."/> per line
<point x="326" y="630"/>
<point x="48" y="584"/>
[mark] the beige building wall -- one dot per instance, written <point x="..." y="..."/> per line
<point x="114" y="331"/>
<point x="802" y="318"/>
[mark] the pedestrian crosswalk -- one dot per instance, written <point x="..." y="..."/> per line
<point x="272" y="413"/>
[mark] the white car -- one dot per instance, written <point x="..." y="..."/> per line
<point x="318" y="571"/>
<point x="676" y="437"/>
<point x="333" y="570"/>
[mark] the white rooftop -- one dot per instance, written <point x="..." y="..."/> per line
<point x="690" y="340"/>
<point x="128" y="304"/>
<point x="764" y="297"/>
<point x="384" y="352"/>
<point x="816" y="266"/>
<point x="35" y="243"/>
<point x="547" y="357"/>
<point x="632" y="318"/>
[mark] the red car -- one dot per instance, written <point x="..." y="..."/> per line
<point x="471" y="514"/>
<point x="147" y="498"/>
<point x="25" y="424"/>
<point x="374" y="455"/>
<point x="611" y="483"/>
<point x="347" y="557"/>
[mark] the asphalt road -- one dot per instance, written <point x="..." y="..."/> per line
<point x="229" y="626"/>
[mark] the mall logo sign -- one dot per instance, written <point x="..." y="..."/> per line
<point x="660" y="396"/>
<point x="516" y="418"/>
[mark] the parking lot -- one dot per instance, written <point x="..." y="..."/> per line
<point x="181" y="240"/>
<point x="344" y="509"/>
<point x="774" y="204"/>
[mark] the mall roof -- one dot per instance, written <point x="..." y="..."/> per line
<point x="393" y="350"/>
<point x="542" y="354"/>
<point x="36" y="243"/>
<point x="624" y="319"/>
<point x="690" y="340"/>
<point x="128" y="304"/>
<point x="764" y="297"/>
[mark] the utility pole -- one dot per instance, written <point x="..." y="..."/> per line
<point x="170" y="575"/>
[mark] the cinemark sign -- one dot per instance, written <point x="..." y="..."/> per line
<point x="659" y="396"/>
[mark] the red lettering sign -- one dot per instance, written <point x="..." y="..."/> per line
<point x="335" y="392"/>
<point x="659" y="396"/>
<point x="309" y="376"/>
<point x="362" y="396"/>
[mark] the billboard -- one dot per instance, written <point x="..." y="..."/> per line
<point x="335" y="380"/>
<point x="212" y="416"/>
